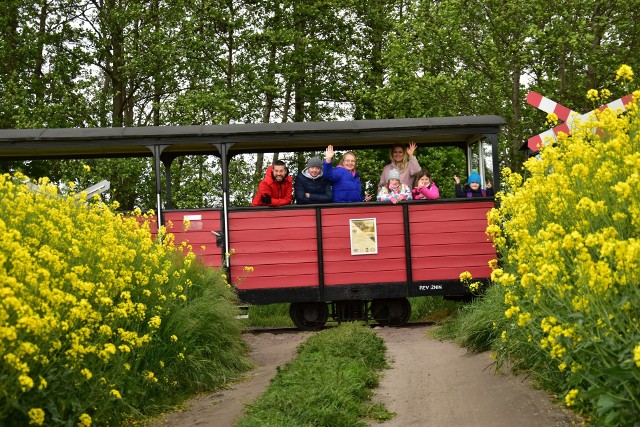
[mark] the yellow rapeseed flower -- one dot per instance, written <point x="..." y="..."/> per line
<point x="570" y="397"/>
<point x="636" y="355"/>
<point x="86" y="373"/>
<point x="592" y="95"/>
<point x="154" y="322"/>
<point x="26" y="383"/>
<point x="84" y="420"/>
<point x="36" y="416"/>
<point x="625" y="72"/>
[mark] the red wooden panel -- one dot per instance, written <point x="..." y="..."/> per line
<point x="391" y="254"/>
<point x="358" y="210"/>
<point x="271" y="213"/>
<point x="465" y="237"/>
<point x="426" y="249"/>
<point x="390" y="215"/>
<point x="252" y="282"/>
<point x="212" y="260"/>
<point x="282" y="271"/>
<point x="417" y="206"/>
<point x="153" y="223"/>
<point x="458" y="261"/>
<point x="280" y="245"/>
<point x="446" y="216"/>
<point x="395" y="227"/>
<point x="267" y="235"/>
<point x="422" y="228"/>
<point x="198" y="234"/>
<point x="477" y="272"/>
<point x="369" y="267"/>
<point x="375" y="276"/>
<point x="384" y="241"/>
<point x="275" y="220"/>
<point x="267" y="257"/>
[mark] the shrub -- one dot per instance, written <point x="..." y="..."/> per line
<point x="569" y="243"/>
<point x="98" y="321"/>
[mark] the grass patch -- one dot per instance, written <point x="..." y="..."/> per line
<point x="423" y="309"/>
<point x="434" y="309"/>
<point x="328" y="384"/>
<point x="271" y="315"/>
<point x="477" y="324"/>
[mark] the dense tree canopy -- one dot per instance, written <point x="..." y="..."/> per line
<point x="71" y="63"/>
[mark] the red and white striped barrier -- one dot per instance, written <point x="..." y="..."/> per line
<point x="565" y="114"/>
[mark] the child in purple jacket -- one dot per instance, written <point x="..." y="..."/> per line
<point x="424" y="188"/>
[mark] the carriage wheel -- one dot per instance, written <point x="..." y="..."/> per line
<point x="309" y="316"/>
<point x="391" y="312"/>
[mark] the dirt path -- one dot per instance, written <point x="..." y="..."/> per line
<point x="434" y="383"/>
<point x="430" y="383"/>
<point x="220" y="409"/>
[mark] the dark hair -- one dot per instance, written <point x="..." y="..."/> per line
<point x="423" y="172"/>
<point x="281" y="163"/>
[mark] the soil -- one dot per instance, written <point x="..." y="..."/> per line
<point x="429" y="383"/>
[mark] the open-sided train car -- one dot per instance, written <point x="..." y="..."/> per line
<point x="340" y="261"/>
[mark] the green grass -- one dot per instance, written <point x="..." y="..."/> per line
<point x="476" y="325"/>
<point x="328" y="384"/>
<point x="271" y="315"/>
<point x="435" y="309"/>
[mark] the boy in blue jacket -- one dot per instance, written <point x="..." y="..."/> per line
<point x="473" y="188"/>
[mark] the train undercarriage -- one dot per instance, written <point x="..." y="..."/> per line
<point x="312" y="316"/>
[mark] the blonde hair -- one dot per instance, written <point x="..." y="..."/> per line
<point x="405" y="158"/>
<point x="345" y="155"/>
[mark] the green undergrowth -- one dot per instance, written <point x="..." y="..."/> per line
<point x="328" y="384"/>
<point x="271" y="315"/>
<point x="423" y="309"/>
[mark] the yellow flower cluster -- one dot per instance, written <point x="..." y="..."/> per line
<point x="625" y="72"/>
<point x="569" y="239"/>
<point x="84" y="290"/>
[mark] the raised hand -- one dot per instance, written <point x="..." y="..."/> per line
<point x="328" y="153"/>
<point x="412" y="148"/>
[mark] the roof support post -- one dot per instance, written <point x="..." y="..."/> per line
<point x="156" y="150"/>
<point x="224" y="165"/>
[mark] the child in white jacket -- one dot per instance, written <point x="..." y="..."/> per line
<point x="394" y="191"/>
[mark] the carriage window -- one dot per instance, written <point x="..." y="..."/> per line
<point x="480" y="159"/>
<point x="196" y="182"/>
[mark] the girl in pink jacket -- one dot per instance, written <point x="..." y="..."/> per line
<point x="424" y="188"/>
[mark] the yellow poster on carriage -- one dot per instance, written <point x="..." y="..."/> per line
<point x="364" y="236"/>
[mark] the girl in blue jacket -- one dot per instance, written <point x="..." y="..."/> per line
<point x="346" y="181"/>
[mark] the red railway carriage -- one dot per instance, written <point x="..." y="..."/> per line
<point x="344" y="261"/>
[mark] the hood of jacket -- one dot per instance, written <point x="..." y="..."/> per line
<point x="268" y="176"/>
<point x="306" y="173"/>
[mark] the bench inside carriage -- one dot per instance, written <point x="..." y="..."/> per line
<point x="339" y="261"/>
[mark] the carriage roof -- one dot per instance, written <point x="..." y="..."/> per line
<point x="241" y="138"/>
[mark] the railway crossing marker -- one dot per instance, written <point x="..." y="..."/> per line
<point x="565" y="114"/>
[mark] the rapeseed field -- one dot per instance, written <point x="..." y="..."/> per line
<point x="568" y="238"/>
<point x="99" y="322"/>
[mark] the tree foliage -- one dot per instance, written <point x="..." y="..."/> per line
<point x="74" y="63"/>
